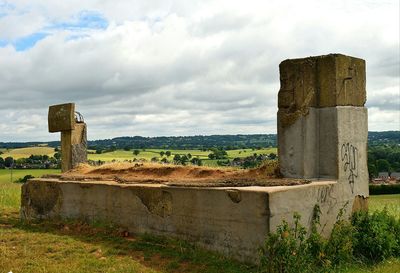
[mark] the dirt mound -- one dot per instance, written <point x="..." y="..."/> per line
<point x="176" y="175"/>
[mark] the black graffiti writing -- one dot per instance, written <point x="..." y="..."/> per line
<point x="349" y="156"/>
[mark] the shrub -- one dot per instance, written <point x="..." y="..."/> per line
<point x="286" y="249"/>
<point x="377" y="235"/>
<point x="367" y="237"/>
<point x="25" y="178"/>
<point x="384" y="189"/>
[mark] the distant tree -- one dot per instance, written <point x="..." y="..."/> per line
<point x="189" y="155"/>
<point x="162" y="153"/>
<point x="1" y="163"/>
<point x="382" y="165"/>
<point x="184" y="160"/>
<point x="57" y="155"/>
<point x="196" y="161"/>
<point x="154" y="159"/>
<point x="395" y="166"/>
<point x="136" y="152"/>
<point x="164" y="160"/>
<point x="217" y="154"/>
<point x="99" y="151"/>
<point x="8" y="161"/>
<point x="372" y="171"/>
<point x="127" y="148"/>
<point x="177" y="158"/>
<point x="272" y="156"/>
<point x="168" y="153"/>
<point x="394" y="157"/>
<point x="56" y="149"/>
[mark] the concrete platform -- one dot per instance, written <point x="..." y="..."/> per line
<point x="231" y="220"/>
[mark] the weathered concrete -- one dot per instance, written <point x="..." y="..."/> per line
<point x="322" y="81"/>
<point x="233" y="221"/>
<point x="320" y="104"/>
<point x="61" y="118"/>
<point x="312" y="146"/>
<point x="74" y="147"/>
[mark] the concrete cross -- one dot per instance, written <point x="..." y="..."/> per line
<point x="62" y="119"/>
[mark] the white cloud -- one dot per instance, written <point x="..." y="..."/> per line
<point x="180" y="68"/>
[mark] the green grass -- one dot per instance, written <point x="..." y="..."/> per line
<point x="148" y="154"/>
<point x="76" y="247"/>
<point x="389" y="201"/>
<point x="10" y="193"/>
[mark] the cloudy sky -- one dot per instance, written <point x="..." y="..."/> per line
<point x="159" y="67"/>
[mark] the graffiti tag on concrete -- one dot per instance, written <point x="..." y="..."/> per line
<point x="349" y="156"/>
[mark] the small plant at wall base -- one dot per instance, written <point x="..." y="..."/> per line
<point x="367" y="238"/>
<point x="25" y="178"/>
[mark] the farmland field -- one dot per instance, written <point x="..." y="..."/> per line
<point x="148" y="154"/>
<point x="10" y="192"/>
<point x="27" y="152"/>
<point x="76" y="247"/>
<point x="389" y="201"/>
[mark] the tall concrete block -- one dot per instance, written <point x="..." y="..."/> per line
<point x="62" y="119"/>
<point x="321" y="109"/>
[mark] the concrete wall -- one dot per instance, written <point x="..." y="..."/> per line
<point x="230" y="221"/>
<point x="312" y="146"/>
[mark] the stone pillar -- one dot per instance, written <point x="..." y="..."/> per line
<point x="62" y="119"/>
<point x="322" y="121"/>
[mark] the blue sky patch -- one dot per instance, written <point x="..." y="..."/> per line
<point x="3" y="43"/>
<point x="29" y="41"/>
<point x="84" y="20"/>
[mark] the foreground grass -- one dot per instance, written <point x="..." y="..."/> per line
<point x="76" y="247"/>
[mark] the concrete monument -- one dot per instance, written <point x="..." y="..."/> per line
<point x="322" y="133"/>
<point x="63" y="118"/>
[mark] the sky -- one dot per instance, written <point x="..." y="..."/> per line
<point x="162" y="68"/>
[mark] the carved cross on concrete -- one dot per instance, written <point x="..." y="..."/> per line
<point x="62" y="119"/>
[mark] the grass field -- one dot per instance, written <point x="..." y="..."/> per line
<point x="148" y="154"/>
<point x="10" y="192"/>
<point x="27" y="152"/>
<point x="390" y="201"/>
<point x="76" y="247"/>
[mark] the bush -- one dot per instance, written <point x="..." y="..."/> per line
<point x="384" y="189"/>
<point x="286" y="250"/>
<point x="377" y="235"/>
<point x="369" y="237"/>
<point x="25" y="178"/>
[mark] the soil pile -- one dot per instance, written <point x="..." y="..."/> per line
<point x="176" y="175"/>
